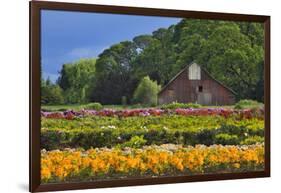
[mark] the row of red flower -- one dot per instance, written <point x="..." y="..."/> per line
<point x="243" y="114"/>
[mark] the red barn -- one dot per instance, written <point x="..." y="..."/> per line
<point x="193" y="84"/>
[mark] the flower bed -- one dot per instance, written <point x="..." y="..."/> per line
<point x="190" y="130"/>
<point x="242" y="114"/>
<point x="150" y="161"/>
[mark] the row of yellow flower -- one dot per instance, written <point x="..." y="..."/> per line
<point x="93" y="164"/>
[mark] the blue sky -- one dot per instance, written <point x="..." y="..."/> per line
<point x="68" y="36"/>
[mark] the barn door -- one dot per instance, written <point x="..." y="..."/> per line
<point x="171" y="95"/>
<point x="204" y="98"/>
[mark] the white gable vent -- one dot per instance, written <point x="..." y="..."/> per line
<point x="194" y="72"/>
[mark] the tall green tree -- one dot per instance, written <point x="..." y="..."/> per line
<point x="114" y="73"/>
<point x="77" y="80"/>
<point x="230" y="57"/>
<point x="51" y="93"/>
<point x="158" y="58"/>
<point x="231" y="51"/>
<point x="146" y="92"/>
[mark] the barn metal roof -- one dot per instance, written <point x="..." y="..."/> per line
<point x="175" y="77"/>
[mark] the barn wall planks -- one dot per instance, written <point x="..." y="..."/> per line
<point x="203" y="90"/>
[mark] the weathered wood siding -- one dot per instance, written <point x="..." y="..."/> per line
<point x="184" y="90"/>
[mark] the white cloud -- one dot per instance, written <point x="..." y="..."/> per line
<point x="84" y="52"/>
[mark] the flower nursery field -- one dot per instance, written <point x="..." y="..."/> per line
<point x="85" y="145"/>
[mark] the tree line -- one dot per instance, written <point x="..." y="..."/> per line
<point x="232" y="52"/>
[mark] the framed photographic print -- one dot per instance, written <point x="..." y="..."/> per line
<point x="123" y="96"/>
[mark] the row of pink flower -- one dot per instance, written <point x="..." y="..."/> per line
<point x="247" y="113"/>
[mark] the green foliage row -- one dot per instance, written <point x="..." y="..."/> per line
<point x="169" y="122"/>
<point x="75" y="107"/>
<point x="93" y="106"/>
<point x="78" y="107"/>
<point x="176" y="105"/>
<point x="134" y="142"/>
<point x="247" y="103"/>
<point x="55" y="139"/>
<point x="111" y="131"/>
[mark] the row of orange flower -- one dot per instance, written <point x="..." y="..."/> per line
<point x="93" y="164"/>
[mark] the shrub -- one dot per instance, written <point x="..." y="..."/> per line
<point x="124" y="100"/>
<point x="226" y="139"/>
<point x="247" y="103"/>
<point x="176" y="105"/>
<point x="89" y="132"/>
<point x="146" y="92"/>
<point x="238" y="106"/>
<point x="193" y="105"/>
<point x="252" y="140"/>
<point x="55" y="139"/>
<point x="135" y="142"/>
<point x="205" y="137"/>
<point x="51" y="94"/>
<point x="93" y="106"/>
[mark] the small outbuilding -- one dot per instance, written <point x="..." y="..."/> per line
<point x="193" y="84"/>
